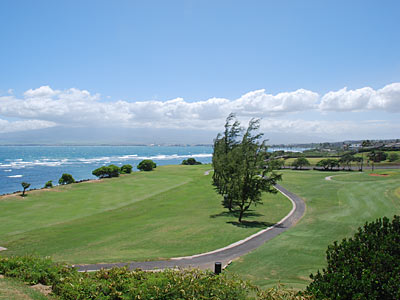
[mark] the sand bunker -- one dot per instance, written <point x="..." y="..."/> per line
<point x="379" y="175"/>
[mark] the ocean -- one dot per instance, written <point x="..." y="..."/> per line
<point x="39" y="164"/>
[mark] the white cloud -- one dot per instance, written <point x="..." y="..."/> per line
<point x="75" y="107"/>
<point x="386" y="99"/>
<point x="7" y="126"/>
<point x="80" y="108"/>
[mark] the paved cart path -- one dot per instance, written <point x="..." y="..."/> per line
<point x="224" y="255"/>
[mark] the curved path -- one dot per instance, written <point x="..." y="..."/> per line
<point x="224" y="255"/>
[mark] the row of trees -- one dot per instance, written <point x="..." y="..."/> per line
<point x="242" y="170"/>
<point x="346" y="160"/>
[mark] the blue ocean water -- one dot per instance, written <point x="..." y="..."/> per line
<point x="38" y="164"/>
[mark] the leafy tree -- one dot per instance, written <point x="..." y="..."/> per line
<point x="25" y="185"/>
<point x="366" y="266"/>
<point x="126" y="169"/>
<point x="346" y="159"/>
<point x="107" y="171"/>
<point x="377" y="156"/>
<point x="393" y="157"/>
<point x="191" y="161"/>
<point x="300" y="162"/>
<point x="48" y="184"/>
<point x="66" y="179"/>
<point x="241" y="172"/>
<point x="147" y="165"/>
<point x="328" y="163"/>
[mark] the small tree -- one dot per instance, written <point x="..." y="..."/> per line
<point x="107" y="171"/>
<point x="328" y="163"/>
<point x="66" y="179"/>
<point x="393" y="157"/>
<point x="366" y="266"/>
<point x="25" y="185"/>
<point x="300" y="162"/>
<point x="126" y="169"/>
<point x="190" y="161"/>
<point x="48" y="184"/>
<point x="346" y="159"/>
<point x="147" y="165"/>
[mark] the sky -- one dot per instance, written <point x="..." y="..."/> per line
<point x="98" y="71"/>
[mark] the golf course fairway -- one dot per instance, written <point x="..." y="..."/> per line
<point x="169" y="212"/>
<point x="335" y="209"/>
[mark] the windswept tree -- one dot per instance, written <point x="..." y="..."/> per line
<point x="25" y="185"/>
<point x="241" y="170"/>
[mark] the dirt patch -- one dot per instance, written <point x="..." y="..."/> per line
<point x="44" y="289"/>
<point x="379" y="175"/>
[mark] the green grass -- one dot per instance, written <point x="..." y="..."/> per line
<point x="172" y="211"/>
<point x="335" y="209"/>
<point x="12" y="289"/>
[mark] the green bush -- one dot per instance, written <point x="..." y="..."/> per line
<point x="126" y="169"/>
<point x="48" y="184"/>
<point x="107" y="171"/>
<point x="147" y="165"/>
<point x="66" y="179"/>
<point x="191" y="161"/>
<point x="366" y="266"/>
<point x="120" y="283"/>
<point x="33" y="270"/>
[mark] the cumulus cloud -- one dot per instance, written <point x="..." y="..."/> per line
<point x="75" y="107"/>
<point x="46" y="107"/>
<point x="386" y="99"/>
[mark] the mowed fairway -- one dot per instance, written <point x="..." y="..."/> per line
<point x="335" y="209"/>
<point x="172" y="211"/>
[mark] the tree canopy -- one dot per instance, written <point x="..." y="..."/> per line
<point x="107" y="171"/>
<point x="66" y="179"/>
<point x="300" y="162"/>
<point x="190" y="161"/>
<point x="126" y="169"/>
<point x="241" y="170"/>
<point x="366" y="266"/>
<point x="147" y="165"/>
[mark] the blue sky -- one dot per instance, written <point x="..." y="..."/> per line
<point x="157" y="51"/>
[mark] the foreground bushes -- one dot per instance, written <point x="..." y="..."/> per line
<point x="34" y="270"/>
<point x="121" y="284"/>
<point x="366" y="266"/>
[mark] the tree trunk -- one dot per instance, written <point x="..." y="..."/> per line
<point x="241" y="215"/>
<point x="23" y="192"/>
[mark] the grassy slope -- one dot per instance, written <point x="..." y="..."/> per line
<point x="335" y="209"/>
<point x="159" y="214"/>
<point x="11" y="289"/>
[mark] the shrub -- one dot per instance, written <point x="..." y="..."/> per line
<point x="366" y="266"/>
<point x="107" y="171"/>
<point x="120" y="283"/>
<point x="146" y="165"/>
<point x="191" y="161"/>
<point x="48" y="184"/>
<point x="66" y="179"/>
<point x="33" y="270"/>
<point x="126" y="169"/>
<point x="393" y="157"/>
